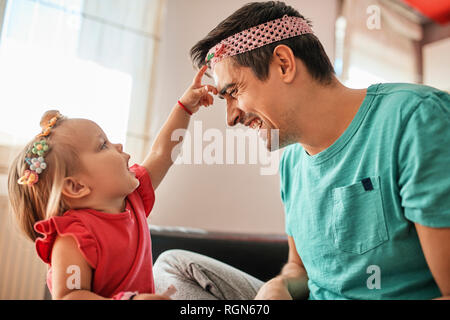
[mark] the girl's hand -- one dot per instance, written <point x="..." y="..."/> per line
<point x="149" y="296"/>
<point x="197" y="95"/>
<point x="164" y="296"/>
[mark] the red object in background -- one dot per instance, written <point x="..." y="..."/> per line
<point x="436" y="10"/>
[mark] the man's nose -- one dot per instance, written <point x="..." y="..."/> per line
<point x="234" y="115"/>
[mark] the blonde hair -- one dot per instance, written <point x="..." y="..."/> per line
<point x="42" y="200"/>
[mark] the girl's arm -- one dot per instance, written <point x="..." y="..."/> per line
<point x="71" y="274"/>
<point x="160" y="159"/>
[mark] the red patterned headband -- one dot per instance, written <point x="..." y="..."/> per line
<point x="256" y="37"/>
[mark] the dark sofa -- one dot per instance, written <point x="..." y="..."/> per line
<point x="262" y="256"/>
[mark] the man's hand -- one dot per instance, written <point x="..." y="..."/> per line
<point x="274" y="289"/>
<point x="291" y="284"/>
<point x="197" y="95"/>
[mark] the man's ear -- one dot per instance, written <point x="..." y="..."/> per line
<point x="285" y="62"/>
<point x="74" y="188"/>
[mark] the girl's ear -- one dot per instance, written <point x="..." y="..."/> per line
<point x="74" y="189"/>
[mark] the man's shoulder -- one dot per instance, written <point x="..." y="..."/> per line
<point x="403" y="99"/>
<point x="419" y="90"/>
<point x="407" y="93"/>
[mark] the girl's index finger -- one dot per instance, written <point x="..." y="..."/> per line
<point x="199" y="76"/>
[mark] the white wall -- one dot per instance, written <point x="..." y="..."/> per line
<point x="232" y="198"/>
<point x="436" y="65"/>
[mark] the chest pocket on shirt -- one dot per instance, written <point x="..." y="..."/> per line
<point x="358" y="219"/>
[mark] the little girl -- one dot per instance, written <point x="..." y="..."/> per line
<point x="74" y="194"/>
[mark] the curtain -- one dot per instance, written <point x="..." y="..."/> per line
<point x="2" y="14"/>
<point x="125" y="37"/>
<point x="87" y="58"/>
<point x="377" y="44"/>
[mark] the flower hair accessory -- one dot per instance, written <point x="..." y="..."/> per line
<point x="36" y="162"/>
<point x="29" y="178"/>
<point x="35" y="155"/>
<point x="256" y="37"/>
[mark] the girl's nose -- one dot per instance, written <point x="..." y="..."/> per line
<point x="119" y="147"/>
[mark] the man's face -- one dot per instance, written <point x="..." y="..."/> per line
<point x="254" y="103"/>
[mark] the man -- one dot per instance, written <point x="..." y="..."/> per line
<point x="365" y="176"/>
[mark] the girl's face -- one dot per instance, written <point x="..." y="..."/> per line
<point x="104" y="166"/>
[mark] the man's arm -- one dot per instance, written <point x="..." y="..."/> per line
<point x="291" y="283"/>
<point x="436" y="248"/>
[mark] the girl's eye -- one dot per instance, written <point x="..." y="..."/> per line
<point x="104" y="145"/>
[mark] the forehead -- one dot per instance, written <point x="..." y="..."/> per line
<point x="226" y="72"/>
<point x="80" y="133"/>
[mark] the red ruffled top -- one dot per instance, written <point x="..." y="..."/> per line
<point x="116" y="246"/>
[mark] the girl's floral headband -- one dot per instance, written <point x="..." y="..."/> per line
<point x="256" y="37"/>
<point x="35" y="155"/>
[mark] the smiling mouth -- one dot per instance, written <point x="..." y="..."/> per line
<point x="255" y="124"/>
<point x="131" y="172"/>
<point x="127" y="164"/>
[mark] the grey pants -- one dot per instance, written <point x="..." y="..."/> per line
<point x="198" y="277"/>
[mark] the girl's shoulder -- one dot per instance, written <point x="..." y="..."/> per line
<point x="70" y="224"/>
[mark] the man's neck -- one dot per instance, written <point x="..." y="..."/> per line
<point x="330" y="111"/>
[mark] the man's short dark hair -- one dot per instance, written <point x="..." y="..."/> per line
<point x="305" y="47"/>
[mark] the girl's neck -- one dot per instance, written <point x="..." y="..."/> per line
<point x="112" y="206"/>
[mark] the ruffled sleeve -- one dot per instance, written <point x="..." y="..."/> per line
<point x="66" y="225"/>
<point x="145" y="189"/>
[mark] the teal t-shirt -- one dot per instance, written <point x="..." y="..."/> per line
<point x="351" y="208"/>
